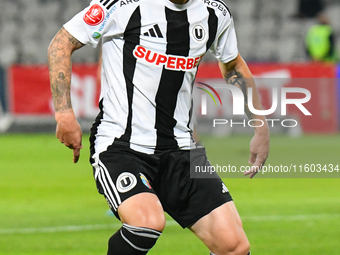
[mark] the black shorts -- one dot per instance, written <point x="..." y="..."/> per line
<point x="122" y="172"/>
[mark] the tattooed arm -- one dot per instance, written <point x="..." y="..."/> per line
<point x="236" y="72"/>
<point x="60" y="68"/>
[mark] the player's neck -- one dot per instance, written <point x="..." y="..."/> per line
<point x="179" y="1"/>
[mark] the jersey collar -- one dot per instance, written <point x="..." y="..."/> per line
<point x="177" y="7"/>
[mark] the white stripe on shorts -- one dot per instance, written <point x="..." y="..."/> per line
<point x="108" y="186"/>
<point x="107" y="191"/>
<point x="113" y="186"/>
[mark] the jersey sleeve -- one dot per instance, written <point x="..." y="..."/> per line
<point x="224" y="47"/>
<point x="89" y="25"/>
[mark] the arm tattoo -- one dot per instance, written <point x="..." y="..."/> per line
<point x="61" y="93"/>
<point x="60" y="68"/>
<point x="74" y="41"/>
<point x="236" y="78"/>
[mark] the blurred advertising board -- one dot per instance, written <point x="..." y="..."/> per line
<point x="30" y="92"/>
<point x="320" y="80"/>
<point x="338" y="91"/>
<point x="3" y="102"/>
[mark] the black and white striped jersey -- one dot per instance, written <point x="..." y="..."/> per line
<point x="151" y="52"/>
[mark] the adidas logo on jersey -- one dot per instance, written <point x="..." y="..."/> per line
<point x="224" y="188"/>
<point x="154" y="32"/>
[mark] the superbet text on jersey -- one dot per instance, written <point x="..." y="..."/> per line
<point x="151" y="52"/>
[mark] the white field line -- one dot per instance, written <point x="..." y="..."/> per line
<point x="307" y="217"/>
<point x="75" y="228"/>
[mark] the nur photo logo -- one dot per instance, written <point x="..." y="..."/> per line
<point x="281" y="98"/>
<point x="204" y="97"/>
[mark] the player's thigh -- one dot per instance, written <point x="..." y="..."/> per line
<point x="222" y="230"/>
<point x="185" y="198"/>
<point x="123" y="177"/>
<point x="143" y="210"/>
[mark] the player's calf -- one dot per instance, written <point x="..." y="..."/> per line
<point x="130" y="240"/>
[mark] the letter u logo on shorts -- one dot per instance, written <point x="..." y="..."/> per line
<point x="126" y="182"/>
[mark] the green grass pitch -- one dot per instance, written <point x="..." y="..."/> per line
<point x="50" y="206"/>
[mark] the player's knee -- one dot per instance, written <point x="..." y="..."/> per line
<point x="242" y="248"/>
<point x="143" y="210"/>
<point x="152" y="220"/>
<point x="146" y="218"/>
<point x="233" y="247"/>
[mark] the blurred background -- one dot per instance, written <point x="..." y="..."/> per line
<point x="50" y="206"/>
<point x="279" y="39"/>
<point x="268" y="30"/>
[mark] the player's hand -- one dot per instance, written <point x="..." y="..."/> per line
<point x="69" y="132"/>
<point x="259" y="151"/>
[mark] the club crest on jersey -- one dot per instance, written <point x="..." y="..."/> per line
<point x="145" y="180"/>
<point x="170" y="62"/>
<point x="94" y="16"/>
<point x="126" y="182"/>
<point x="199" y="33"/>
